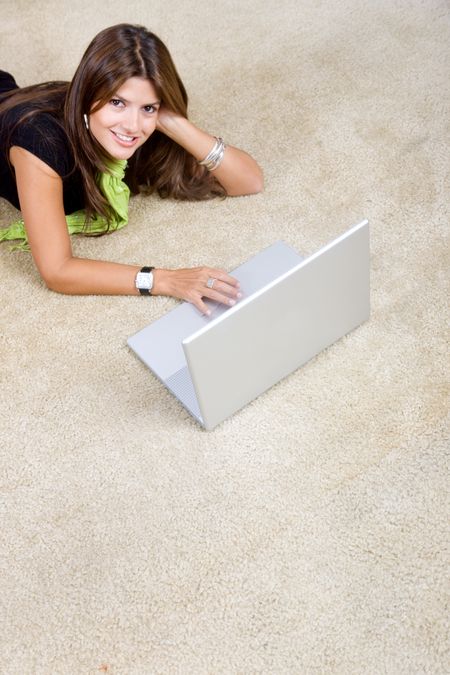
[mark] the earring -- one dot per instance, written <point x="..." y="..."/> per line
<point x="86" y="121"/>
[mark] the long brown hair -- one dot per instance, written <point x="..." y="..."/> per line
<point x="114" y="55"/>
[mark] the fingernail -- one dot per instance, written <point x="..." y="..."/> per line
<point x="239" y="295"/>
<point x="231" y="302"/>
<point x="208" y="312"/>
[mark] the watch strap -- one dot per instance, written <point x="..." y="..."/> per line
<point x="145" y="291"/>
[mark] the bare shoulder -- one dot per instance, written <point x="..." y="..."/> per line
<point x="24" y="162"/>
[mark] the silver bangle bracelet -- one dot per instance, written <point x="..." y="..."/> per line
<point x="215" y="157"/>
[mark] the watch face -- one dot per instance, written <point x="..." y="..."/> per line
<point x="144" y="280"/>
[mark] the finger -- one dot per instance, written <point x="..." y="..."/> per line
<point x="220" y="291"/>
<point x="202" y="308"/>
<point x="216" y="296"/>
<point x="220" y="275"/>
<point x="218" y="280"/>
<point x="225" y="288"/>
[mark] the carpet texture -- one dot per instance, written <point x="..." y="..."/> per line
<point x="309" y="532"/>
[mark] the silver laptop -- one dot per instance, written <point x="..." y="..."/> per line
<point x="292" y="308"/>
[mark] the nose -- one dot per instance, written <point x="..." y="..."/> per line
<point x="130" y="120"/>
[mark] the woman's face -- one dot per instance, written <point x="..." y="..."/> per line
<point x="123" y="124"/>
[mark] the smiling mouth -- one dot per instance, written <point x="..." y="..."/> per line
<point x="123" y="138"/>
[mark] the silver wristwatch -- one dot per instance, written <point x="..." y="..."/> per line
<point x="144" y="280"/>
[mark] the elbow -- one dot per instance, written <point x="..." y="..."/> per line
<point x="55" y="287"/>
<point x="55" y="280"/>
<point x="53" y="283"/>
<point x="253" y="185"/>
<point x="256" y="182"/>
<point x="256" y="185"/>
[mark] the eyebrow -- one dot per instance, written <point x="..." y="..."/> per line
<point x="122" y="98"/>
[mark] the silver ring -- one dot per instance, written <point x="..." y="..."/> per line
<point x="210" y="282"/>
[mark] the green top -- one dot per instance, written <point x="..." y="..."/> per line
<point x="113" y="189"/>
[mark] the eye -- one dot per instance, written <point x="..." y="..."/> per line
<point x="150" y="109"/>
<point x="116" y="102"/>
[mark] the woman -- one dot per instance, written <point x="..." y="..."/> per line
<point x="65" y="147"/>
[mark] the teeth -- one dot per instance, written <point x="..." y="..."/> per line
<point x="124" y="138"/>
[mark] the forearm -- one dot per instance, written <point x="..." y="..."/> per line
<point x="81" y="276"/>
<point x="238" y="173"/>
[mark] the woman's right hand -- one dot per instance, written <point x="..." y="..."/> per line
<point x="194" y="284"/>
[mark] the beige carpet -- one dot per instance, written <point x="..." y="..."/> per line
<point x="308" y="533"/>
